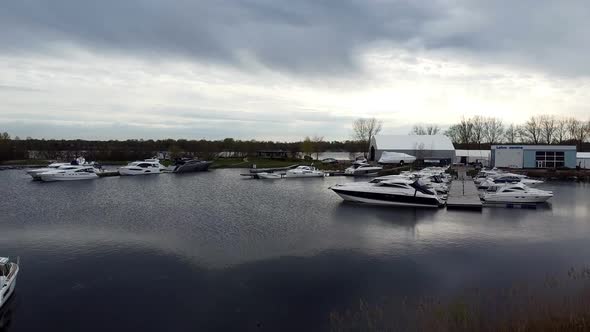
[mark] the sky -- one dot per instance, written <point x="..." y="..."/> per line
<point x="282" y="70"/>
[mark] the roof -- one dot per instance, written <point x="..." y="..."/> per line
<point x="412" y="142"/>
<point x="583" y="155"/>
<point x="473" y="153"/>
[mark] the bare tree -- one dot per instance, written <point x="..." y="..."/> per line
<point x="573" y="128"/>
<point x="418" y="130"/>
<point x="365" y="129"/>
<point x="317" y="145"/>
<point x="493" y="130"/>
<point x="4" y="136"/>
<point x="532" y="130"/>
<point x="429" y="129"/>
<point x="511" y="134"/>
<point x="478" y="129"/>
<point x="307" y="146"/>
<point x="548" y="126"/>
<point x="465" y="131"/>
<point x="453" y="133"/>
<point x="561" y="130"/>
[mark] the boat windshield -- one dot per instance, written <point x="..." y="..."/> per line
<point x="421" y="188"/>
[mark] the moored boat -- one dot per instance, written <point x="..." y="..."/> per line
<point x="8" y="274"/>
<point x="146" y="167"/>
<point x="304" y="172"/>
<point x="515" y="193"/>
<point x="186" y="165"/>
<point x="70" y="173"/>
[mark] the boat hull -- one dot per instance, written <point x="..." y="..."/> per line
<point x="67" y="177"/>
<point x="387" y="199"/>
<point x="193" y="167"/>
<point x="6" y="292"/>
<point x="516" y="199"/>
<point x="310" y="175"/>
<point x="126" y="171"/>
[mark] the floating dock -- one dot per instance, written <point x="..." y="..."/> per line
<point x="463" y="194"/>
<point x="107" y="173"/>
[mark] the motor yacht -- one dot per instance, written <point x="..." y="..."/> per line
<point x="34" y="173"/>
<point x="363" y="169"/>
<point x="186" y="165"/>
<point x="393" y="192"/>
<point x="70" y="173"/>
<point x="270" y="175"/>
<point x="146" y="167"/>
<point x="515" y="193"/>
<point x="304" y="172"/>
<point x="8" y="274"/>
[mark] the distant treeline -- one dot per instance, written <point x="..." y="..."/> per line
<point x="17" y="149"/>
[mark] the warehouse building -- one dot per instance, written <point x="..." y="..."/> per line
<point x="534" y="156"/>
<point x="427" y="148"/>
<point x="583" y="160"/>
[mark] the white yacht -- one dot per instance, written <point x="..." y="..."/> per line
<point x="34" y="173"/>
<point x="304" y="172"/>
<point x="8" y="274"/>
<point x="148" y="166"/>
<point x="70" y="173"/>
<point x="393" y="192"/>
<point x="270" y="175"/>
<point x="363" y="169"/>
<point x="515" y="193"/>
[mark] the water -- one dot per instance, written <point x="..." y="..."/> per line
<point x="213" y="251"/>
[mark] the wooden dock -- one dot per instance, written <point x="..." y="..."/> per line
<point x="463" y="194"/>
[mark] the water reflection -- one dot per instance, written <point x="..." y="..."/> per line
<point x="7" y="313"/>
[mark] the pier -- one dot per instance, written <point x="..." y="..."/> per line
<point x="463" y="193"/>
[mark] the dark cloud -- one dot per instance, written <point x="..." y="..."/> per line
<point x="307" y="35"/>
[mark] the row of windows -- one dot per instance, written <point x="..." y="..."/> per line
<point x="550" y="159"/>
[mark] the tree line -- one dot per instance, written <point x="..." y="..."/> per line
<point x="539" y="129"/>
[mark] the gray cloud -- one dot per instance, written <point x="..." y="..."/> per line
<point x="307" y="35"/>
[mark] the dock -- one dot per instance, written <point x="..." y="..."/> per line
<point x="463" y="194"/>
<point x="107" y="173"/>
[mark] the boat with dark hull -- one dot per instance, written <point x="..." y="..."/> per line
<point x="397" y="192"/>
<point x="186" y="165"/>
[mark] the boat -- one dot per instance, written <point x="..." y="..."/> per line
<point x="34" y="173"/>
<point x="186" y="165"/>
<point x="145" y="167"/>
<point x="8" y="274"/>
<point x="363" y="169"/>
<point x="396" y="158"/>
<point x="304" y="172"/>
<point x="515" y="193"/>
<point x="70" y="173"/>
<point x="392" y="192"/>
<point x="516" y="179"/>
<point x="270" y="175"/>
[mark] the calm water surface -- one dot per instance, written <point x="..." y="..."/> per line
<point x="213" y="251"/>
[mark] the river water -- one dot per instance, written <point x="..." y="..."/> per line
<point x="215" y="251"/>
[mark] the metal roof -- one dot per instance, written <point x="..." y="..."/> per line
<point x="412" y="142"/>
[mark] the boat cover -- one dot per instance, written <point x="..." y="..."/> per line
<point x="395" y="158"/>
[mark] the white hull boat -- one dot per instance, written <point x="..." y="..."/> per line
<point x="265" y="175"/>
<point x="363" y="169"/>
<point x="35" y="173"/>
<point x="515" y="193"/>
<point x="70" y="173"/>
<point x="146" y="167"/>
<point x="8" y="274"/>
<point x="399" y="192"/>
<point x="304" y="172"/>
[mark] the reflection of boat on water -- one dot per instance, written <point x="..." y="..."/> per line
<point x="186" y="165"/>
<point x="8" y="274"/>
<point x="395" y="192"/>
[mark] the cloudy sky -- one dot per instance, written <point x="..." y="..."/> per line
<point x="284" y="69"/>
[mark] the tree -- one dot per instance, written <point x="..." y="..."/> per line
<point x="365" y="129"/>
<point x="465" y="130"/>
<point x="548" y="125"/>
<point x="478" y="129"/>
<point x="532" y="130"/>
<point x="418" y="130"/>
<point x="317" y="145"/>
<point x="4" y="136"/>
<point x="307" y="146"/>
<point x="511" y="134"/>
<point x="453" y="133"/>
<point x="493" y="130"/>
<point x="429" y="129"/>
<point x="561" y="130"/>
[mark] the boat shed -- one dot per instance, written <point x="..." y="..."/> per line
<point x="583" y="160"/>
<point x="473" y="156"/>
<point x="534" y="156"/>
<point x="430" y="148"/>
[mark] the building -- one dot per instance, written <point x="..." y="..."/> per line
<point x="534" y="156"/>
<point x="427" y="148"/>
<point x="583" y="160"/>
<point x="473" y="156"/>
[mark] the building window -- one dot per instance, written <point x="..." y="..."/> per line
<point x="550" y="159"/>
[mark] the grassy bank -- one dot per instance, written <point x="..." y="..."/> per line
<point x="268" y="163"/>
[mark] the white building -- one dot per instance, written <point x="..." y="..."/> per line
<point x="583" y="160"/>
<point x="430" y="148"/>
